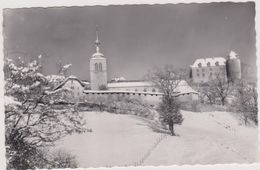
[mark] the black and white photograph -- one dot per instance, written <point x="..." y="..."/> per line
<point x="130" y="85"/>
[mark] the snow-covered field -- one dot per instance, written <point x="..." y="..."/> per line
<point x="127" y="140"/>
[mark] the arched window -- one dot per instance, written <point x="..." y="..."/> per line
<point x="217" y="63"/>
<point x="100" y="67"/>
<point x="208" y="64"/>
<point x="145" y="90"/>
<point x="199" y="64"/>
<point x="153" y="90"/>
<point x="96" y="67"/>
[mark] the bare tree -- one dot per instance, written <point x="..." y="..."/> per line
<point x="167" y="80"/>
<point x="246" y="101"/>
<point x="207" y="93"/>
<point x="217" y="88"/>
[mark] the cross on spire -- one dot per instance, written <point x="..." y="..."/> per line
<point x="97" y="42"/>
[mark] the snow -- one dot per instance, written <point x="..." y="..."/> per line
<point x="232" y="55"/>
<point x="129" y="84"/>
<point x="212" y="61"/>
<point x="204" y="138"/>
<point x="208" y="138"/>
<point x="116" y="79"/>
<point x="182" y="88"/>
<point x="97" y="55"/>
<point x="54" y="78"/>
<point x="67" y="66"/>
<point x="10" y="100"/>
<point x="116" y="140"/>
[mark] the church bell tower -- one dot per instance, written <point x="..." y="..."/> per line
<point x="98" y="68"/>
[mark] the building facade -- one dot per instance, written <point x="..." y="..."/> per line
<point x="206" y="69"/>
<point x="73" y="89"/>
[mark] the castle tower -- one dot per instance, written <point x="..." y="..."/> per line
<point x="233" y="66"/>
<point x="98" y="68"/>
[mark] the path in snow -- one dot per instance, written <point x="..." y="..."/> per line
<point x="207" y="138"/>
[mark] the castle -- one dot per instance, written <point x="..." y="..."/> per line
<point x="206" y="69"/>
<point x="202" y="71"/>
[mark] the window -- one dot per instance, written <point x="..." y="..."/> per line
<point x="198" y="74"/>
<point x="203" y="69"/>
<point x="199" y="64"/>
<point x="96" y="67"/>
<point x="208" y="64"/>
<point x="145" y="90"/>
<point x="210" y="74"/>
<point x="203" y="75"/>
<point x="217" y="63"/>
<point x="153" y="90"/>
<point x="210" y="69"/>
<point x="198" y="70"/>
<point x="136" y="90"/>
<point x="100" y="67"/>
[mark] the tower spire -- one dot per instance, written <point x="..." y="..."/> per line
<point x="97" y="42"/>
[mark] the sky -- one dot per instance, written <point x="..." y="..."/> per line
<point x="134" y="38"/>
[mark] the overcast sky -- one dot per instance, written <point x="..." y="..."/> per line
<point x="134" y="38"/>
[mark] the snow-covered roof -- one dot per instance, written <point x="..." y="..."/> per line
<point x="67" y="79"/>
<point x="182" y="87"/>
<point x="97" y="55"/>
<point x="85" y="82"/>
<point x="203" y="62"/>
<point x="129" y="84"/>
<point x="118" y="79"/>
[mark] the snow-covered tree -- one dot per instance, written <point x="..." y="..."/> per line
<point x="63" y="69"/>
<point x="167" y="80"/>
<point x="32" y="120"/>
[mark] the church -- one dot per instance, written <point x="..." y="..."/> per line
<point x="99" y="83"/>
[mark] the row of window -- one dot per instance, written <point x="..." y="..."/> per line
<point x="203" y="74"/>
<point x="144" y="90"/>
<point x="98" y="66"/>
<point x="208" y="64"/>
<point x="203" y="69"/>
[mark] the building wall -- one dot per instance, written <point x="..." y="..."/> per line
<point x="136" y="88"/>
<point x="76" y="90"/>
<point x="98" y="76"/>
<point x="188" y="97"/>
<point x="205" y="74"/>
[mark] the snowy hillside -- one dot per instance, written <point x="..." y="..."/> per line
<point x="205" y="138"/>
